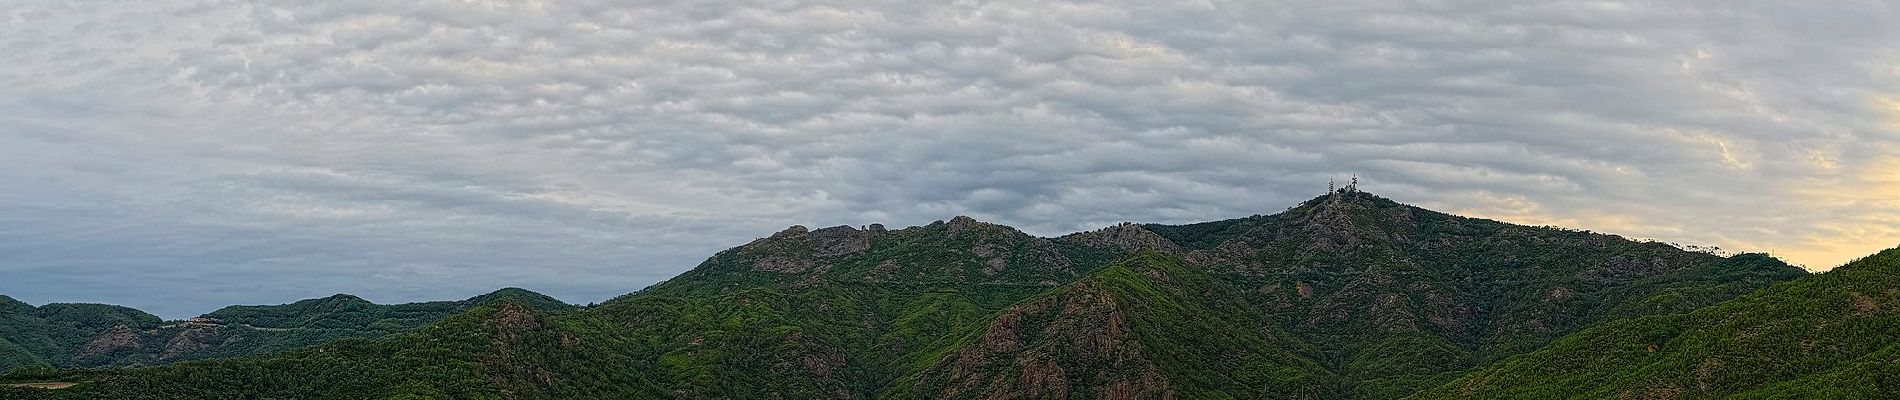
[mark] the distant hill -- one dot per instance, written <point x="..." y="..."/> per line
<point x="1345" y="296"/>
<point x="55" y="333"/>
<point x="96" y="335"/>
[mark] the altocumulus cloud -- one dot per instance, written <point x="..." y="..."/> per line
<point x="180" y="155"/>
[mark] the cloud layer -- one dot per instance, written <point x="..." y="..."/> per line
<point x="179" y="155"/>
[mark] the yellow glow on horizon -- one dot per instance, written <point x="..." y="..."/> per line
<point x="1865" y="219"/>
<point x="1522" y="211"/>
<point x="1869" y="195"/>
<point x="1893" y="106"/>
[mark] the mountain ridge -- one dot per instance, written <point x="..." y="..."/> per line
<point x="94" y="335"/>
<point x="1347" y="295"/>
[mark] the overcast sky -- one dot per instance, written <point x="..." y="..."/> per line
<point x="178" y="156"/>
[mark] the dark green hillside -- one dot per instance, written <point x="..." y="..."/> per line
<point x="500" y="350"/>
<point x="1830" y="336"/>
<point x="961" y="252"/>
<point x="91" y="335"/>
<point x="835" y="312"/>
<point x="61" y="333"/>
<point x="23" y="336"/>
<point x="1398" y="298"/>
<point x="1152" y="326"/>
<point x="838" y="312"/>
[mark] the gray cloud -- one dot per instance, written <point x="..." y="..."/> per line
<point x="180" y="155"/>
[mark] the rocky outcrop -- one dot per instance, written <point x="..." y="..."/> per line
<point x="1129" y="238"/>
<point x="188" y="341"/>
<point x="781" y="264"/>
<point x="1029" y="253"/>
<point x="119" y="338"/>
<point x="1000" y="249"/>
<point x="797" y="250"/>
<point x="1330" y="229"/>
<point x="839" y="241"/>
<point x="962" y="223"/>
<point x="1086" y="333"/>
<point x="513" y="322"/>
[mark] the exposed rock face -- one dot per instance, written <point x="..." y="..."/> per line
<point x="1049" y="259"/>
<point x="787" y="251"/>
<point x="1040" y="255"/>
<point x="962" y="250"/>
<point x="1330" y="228"/>
<point x="994" y="257"/>
<point x="839" y="241"/>
<point x="1087" y="322"/>
<point x="819" y="364"/>
<point x="187" y="341"/>
<point x="961" y="223"/>
<point x="519" y="330"/>
<point x="781" y="264"/>
<point x="117" y="339"/>
<point x="512" y="322"/>
<point x="793" y="232"/>
<point x="1128" y="238"/>
<point x="1001" y="248"/>
<point x="797" y="250"/>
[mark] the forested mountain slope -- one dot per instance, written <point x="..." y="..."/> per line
<point x="1345" y="296"/>
<point x="93" y="335"/>
<point x="1152" y="326"/>
<point x="1835" y="335"/>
